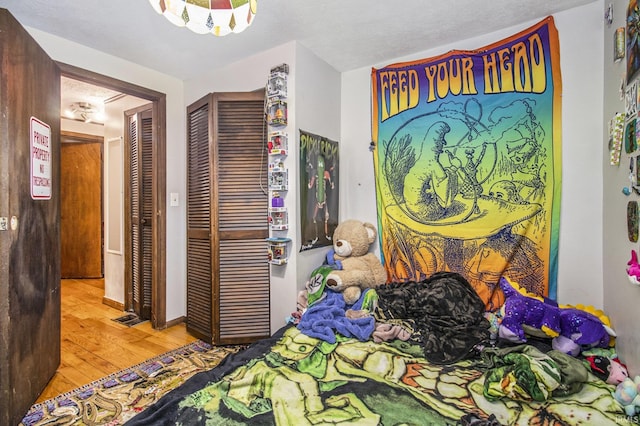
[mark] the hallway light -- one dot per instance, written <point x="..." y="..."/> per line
<point x="218" y="17"/>
<point x="83" y="111"/>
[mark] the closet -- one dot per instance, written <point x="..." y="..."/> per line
<point x="227" y="208"/>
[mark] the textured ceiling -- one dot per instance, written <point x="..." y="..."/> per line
<point x="346" y="34"/>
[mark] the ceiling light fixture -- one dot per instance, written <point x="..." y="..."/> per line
<point x="83" y="111"/>
<point x="218" y="17"/>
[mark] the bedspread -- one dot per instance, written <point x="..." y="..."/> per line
<point x="294" y="379"/>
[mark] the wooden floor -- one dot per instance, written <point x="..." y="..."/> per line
<point x="94" y="346"/>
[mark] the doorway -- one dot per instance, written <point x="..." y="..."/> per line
<point x="81" y="237"/>
<point x="158" y="180"/>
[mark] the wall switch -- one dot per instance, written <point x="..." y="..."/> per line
<point x="174" y="199"/>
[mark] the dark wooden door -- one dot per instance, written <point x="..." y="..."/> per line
<point x="81" y="210"/>
<point x="227" y="269"/>
<point x="140" y="238"/>
<point x="29" y="220"/>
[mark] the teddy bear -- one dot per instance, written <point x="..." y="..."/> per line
<point x="357" y="269"/>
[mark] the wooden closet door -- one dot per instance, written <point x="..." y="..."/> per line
<point x="141" y="209"/>
<point x="199" y="248"/>
<point x="227" y="269"/>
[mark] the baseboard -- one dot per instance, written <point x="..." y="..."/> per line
<point x="109" y="302"/>
<point x="176" y="321"/>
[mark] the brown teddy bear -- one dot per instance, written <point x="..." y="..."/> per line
<point x="359" y="269"/>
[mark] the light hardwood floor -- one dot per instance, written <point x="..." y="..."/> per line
<point x="94" y="346"/>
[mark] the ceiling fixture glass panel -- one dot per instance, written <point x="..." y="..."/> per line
<point x="218" y="17"/>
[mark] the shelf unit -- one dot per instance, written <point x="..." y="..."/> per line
<point x="278" y="176"/>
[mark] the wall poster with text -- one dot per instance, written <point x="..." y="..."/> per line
<point x="318" y="190"/>
<point x="467" y="164"/>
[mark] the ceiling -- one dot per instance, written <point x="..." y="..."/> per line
<point x="346" y="34"/>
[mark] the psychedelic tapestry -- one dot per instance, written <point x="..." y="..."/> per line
<point x="318" y="190"/>
<point x="633" y="40"/>
<point x="467" y="164"/>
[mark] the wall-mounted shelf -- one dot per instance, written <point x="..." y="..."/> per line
<point x="278" y="143"/>
<point x="278" y="180"/>
<point x="278" y="250"/>
<point x="277" y="113"/>
<point x="278" y="218"/>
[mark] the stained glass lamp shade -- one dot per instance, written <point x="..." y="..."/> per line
<point x="219" y="17"/>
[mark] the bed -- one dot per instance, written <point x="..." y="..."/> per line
<point x="442" y="368"/>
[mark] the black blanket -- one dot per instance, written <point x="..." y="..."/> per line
<point x="445" y="312"/>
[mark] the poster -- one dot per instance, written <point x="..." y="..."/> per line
<point x="318" y="190"/>
<point x="467" y="164"/>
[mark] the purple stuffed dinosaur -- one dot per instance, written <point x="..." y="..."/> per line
<point x="580" y="329"/>
<point x="571" y="328"/>
<point x="522" y="310"/>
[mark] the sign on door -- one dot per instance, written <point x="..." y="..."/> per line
<point x="40" y="160"/>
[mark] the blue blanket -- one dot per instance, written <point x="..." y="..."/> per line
<point x="327" y="316"/>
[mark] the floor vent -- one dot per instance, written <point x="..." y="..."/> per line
<point x="129" y="320"/>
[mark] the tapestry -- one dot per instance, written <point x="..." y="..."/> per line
<point x="467" y="164"/>
<point x="120" y="396"/>
<point x="633" y="40"/>
<point x="318" y="190"/>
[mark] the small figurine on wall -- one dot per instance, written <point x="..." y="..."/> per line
<point x="277" y="112"/>
<point x="277" y="252"/>
<point x="277" y="85"/>
<point x="277" y="143"/>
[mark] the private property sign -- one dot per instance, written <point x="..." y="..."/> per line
<point x="40" y="135"/>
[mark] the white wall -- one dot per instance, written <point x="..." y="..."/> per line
<point x="621" y="298"/>
<point x="318" y="112"/>
<point x="76" y="126"/>
<point x="80" y="56"/>
<point x="243" y="76"/>
<point x="581" y="48"/>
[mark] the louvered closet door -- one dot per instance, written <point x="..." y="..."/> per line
<point x="199" y="267"/>
<point x="141" y="146"/>
<point x="227" y="275"/>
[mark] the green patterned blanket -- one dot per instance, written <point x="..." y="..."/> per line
<point x="293" y="379"/>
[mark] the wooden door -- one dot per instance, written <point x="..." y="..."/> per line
<point x="140" y="198"/>
<point x="81" y="237"/>
<point x="29" y="220"/>
<point x="227" y="269"/>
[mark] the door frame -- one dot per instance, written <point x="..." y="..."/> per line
<point x="159" y="176"/>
